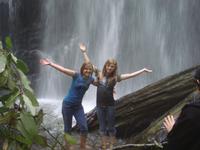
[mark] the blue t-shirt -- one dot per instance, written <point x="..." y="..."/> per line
<point x="78" y="88"/>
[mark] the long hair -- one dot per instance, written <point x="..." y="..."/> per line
<point x="84" y="65"/>
<point x="111" y="77"/>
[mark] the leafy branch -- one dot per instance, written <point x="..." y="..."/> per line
<point x="19" y="122"/>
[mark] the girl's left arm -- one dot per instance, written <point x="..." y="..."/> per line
<point x="133" y="74"/>
<point x="86" y="57"/>
<point x="84" y="51"/>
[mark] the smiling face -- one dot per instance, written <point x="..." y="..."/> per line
<point x="110" y="68"/>
<point x="87" y="70"/>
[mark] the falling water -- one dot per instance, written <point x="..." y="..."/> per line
<point x="159" y="35"/>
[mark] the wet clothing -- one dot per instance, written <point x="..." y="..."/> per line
<point x="78" y="88"/>
<point x="72" y="103"/>
<point x="105" y="106"/>
<point x="185" y="134"/>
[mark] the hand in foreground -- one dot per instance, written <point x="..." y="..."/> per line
<point x="147" y="70"/>
<point x="45" y="61"/>
<point x="82" y="47"/>
<point x="169" y="122"/>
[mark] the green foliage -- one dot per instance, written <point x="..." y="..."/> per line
<point x="19" y="121"/>
<point x="1" y="46"/>
<point x="3" y="62"/>
<point x="12" y="98"/>
<point x="22" y="66"/>
<point x="8" y="43"/>
<point x="69" y="139"/>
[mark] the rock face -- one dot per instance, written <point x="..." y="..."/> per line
<point x="27" y="24"/>
<point x="24" y="22"/>
<point x="136" y="111"/>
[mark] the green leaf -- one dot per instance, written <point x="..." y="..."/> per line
<point x="22" y="139"/>
<point x="8" y="43"/>
<point x="39" y="118"/>
<point x="25" y="81"/>
<point x="14" y="59"/>
<point x="11" y="83"/>
<point x="69" y="139"/>
<point x="11" y="79"/>
<point x="10" y="101"/>
<point x="1" y="45"/>
<point x="23" y="131"/>
<point x="29" y="123"/>
<point x="32" y="97"/>
<point x="3" y="109"/>
<point x="22" y="66"/>
<point x="28" y="103"/>
<point x="40" y="140"/>
<point x="3" y="78"/>
<point x="29" y="129"/>
<point x="3" y="62"/>
<point x="4" y="97"/>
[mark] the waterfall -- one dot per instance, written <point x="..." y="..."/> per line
<point x="159" y="35"/>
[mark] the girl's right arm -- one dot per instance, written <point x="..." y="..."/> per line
<point x="66" y="71"/>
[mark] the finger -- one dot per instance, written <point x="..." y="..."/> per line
<point x="169" y="119"/>
<point x="172" y="119"/>
<point x="164" y="123"/>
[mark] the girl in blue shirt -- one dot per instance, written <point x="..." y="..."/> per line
<point x="72" y="103"/>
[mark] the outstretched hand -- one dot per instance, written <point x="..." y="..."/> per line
<point x="45" y="61"/>
<point x="169" y="122"/>
<point x="147" y="70"/>
<point x="82" y="47"/>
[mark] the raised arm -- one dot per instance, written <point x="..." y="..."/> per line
<point x="131" y="75"/>
<point x="86" y="57"/>
<point x="83" y="50"/>
<point x="66" y="71"/>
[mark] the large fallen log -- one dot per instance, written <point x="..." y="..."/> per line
<point x="136" y="111"/>
<point x="156" y="131"/>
